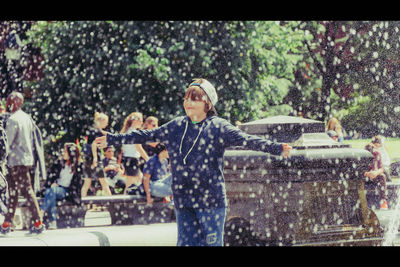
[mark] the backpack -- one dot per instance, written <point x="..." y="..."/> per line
<point x="4" y="196"/>
<point x="38" y="170"/>
<point x="4" y="148"/>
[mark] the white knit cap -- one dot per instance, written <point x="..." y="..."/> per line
<point x="209" y="89"/>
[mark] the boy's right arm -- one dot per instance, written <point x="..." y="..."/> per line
<point x="138" y="136"/>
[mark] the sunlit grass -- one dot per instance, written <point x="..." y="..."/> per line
<point x="392" y="146"/>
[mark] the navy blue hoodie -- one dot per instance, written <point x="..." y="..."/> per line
<point x="196" y="156"/>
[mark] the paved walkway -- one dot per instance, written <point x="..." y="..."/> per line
<point x="98" y="231"/>
<point x="163" y="234"/>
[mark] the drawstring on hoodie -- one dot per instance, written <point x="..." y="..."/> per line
<point x="183" y="137"/>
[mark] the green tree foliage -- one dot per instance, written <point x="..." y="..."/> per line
<point x="377" y="80"/>
<point x="355" y="63"/>
<point x="123" y="66"/>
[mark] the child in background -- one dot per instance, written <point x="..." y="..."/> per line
<point x="93" y="168"/>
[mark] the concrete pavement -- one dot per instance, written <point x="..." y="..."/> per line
<point x="163" y="234"/>
<point x="98" y="231"/>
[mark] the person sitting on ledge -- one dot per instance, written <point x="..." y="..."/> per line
<point x="64" y="182"/>
<point x="377" y="175"/>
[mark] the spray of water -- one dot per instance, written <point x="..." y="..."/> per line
<point x="394" y="223"/>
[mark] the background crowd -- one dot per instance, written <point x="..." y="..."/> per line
<point x="135" y="170"/>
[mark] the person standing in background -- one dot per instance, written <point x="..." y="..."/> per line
<point x="131" y="153"/>
<point x="93" y="164"/>
<point x="20" y="160"/>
